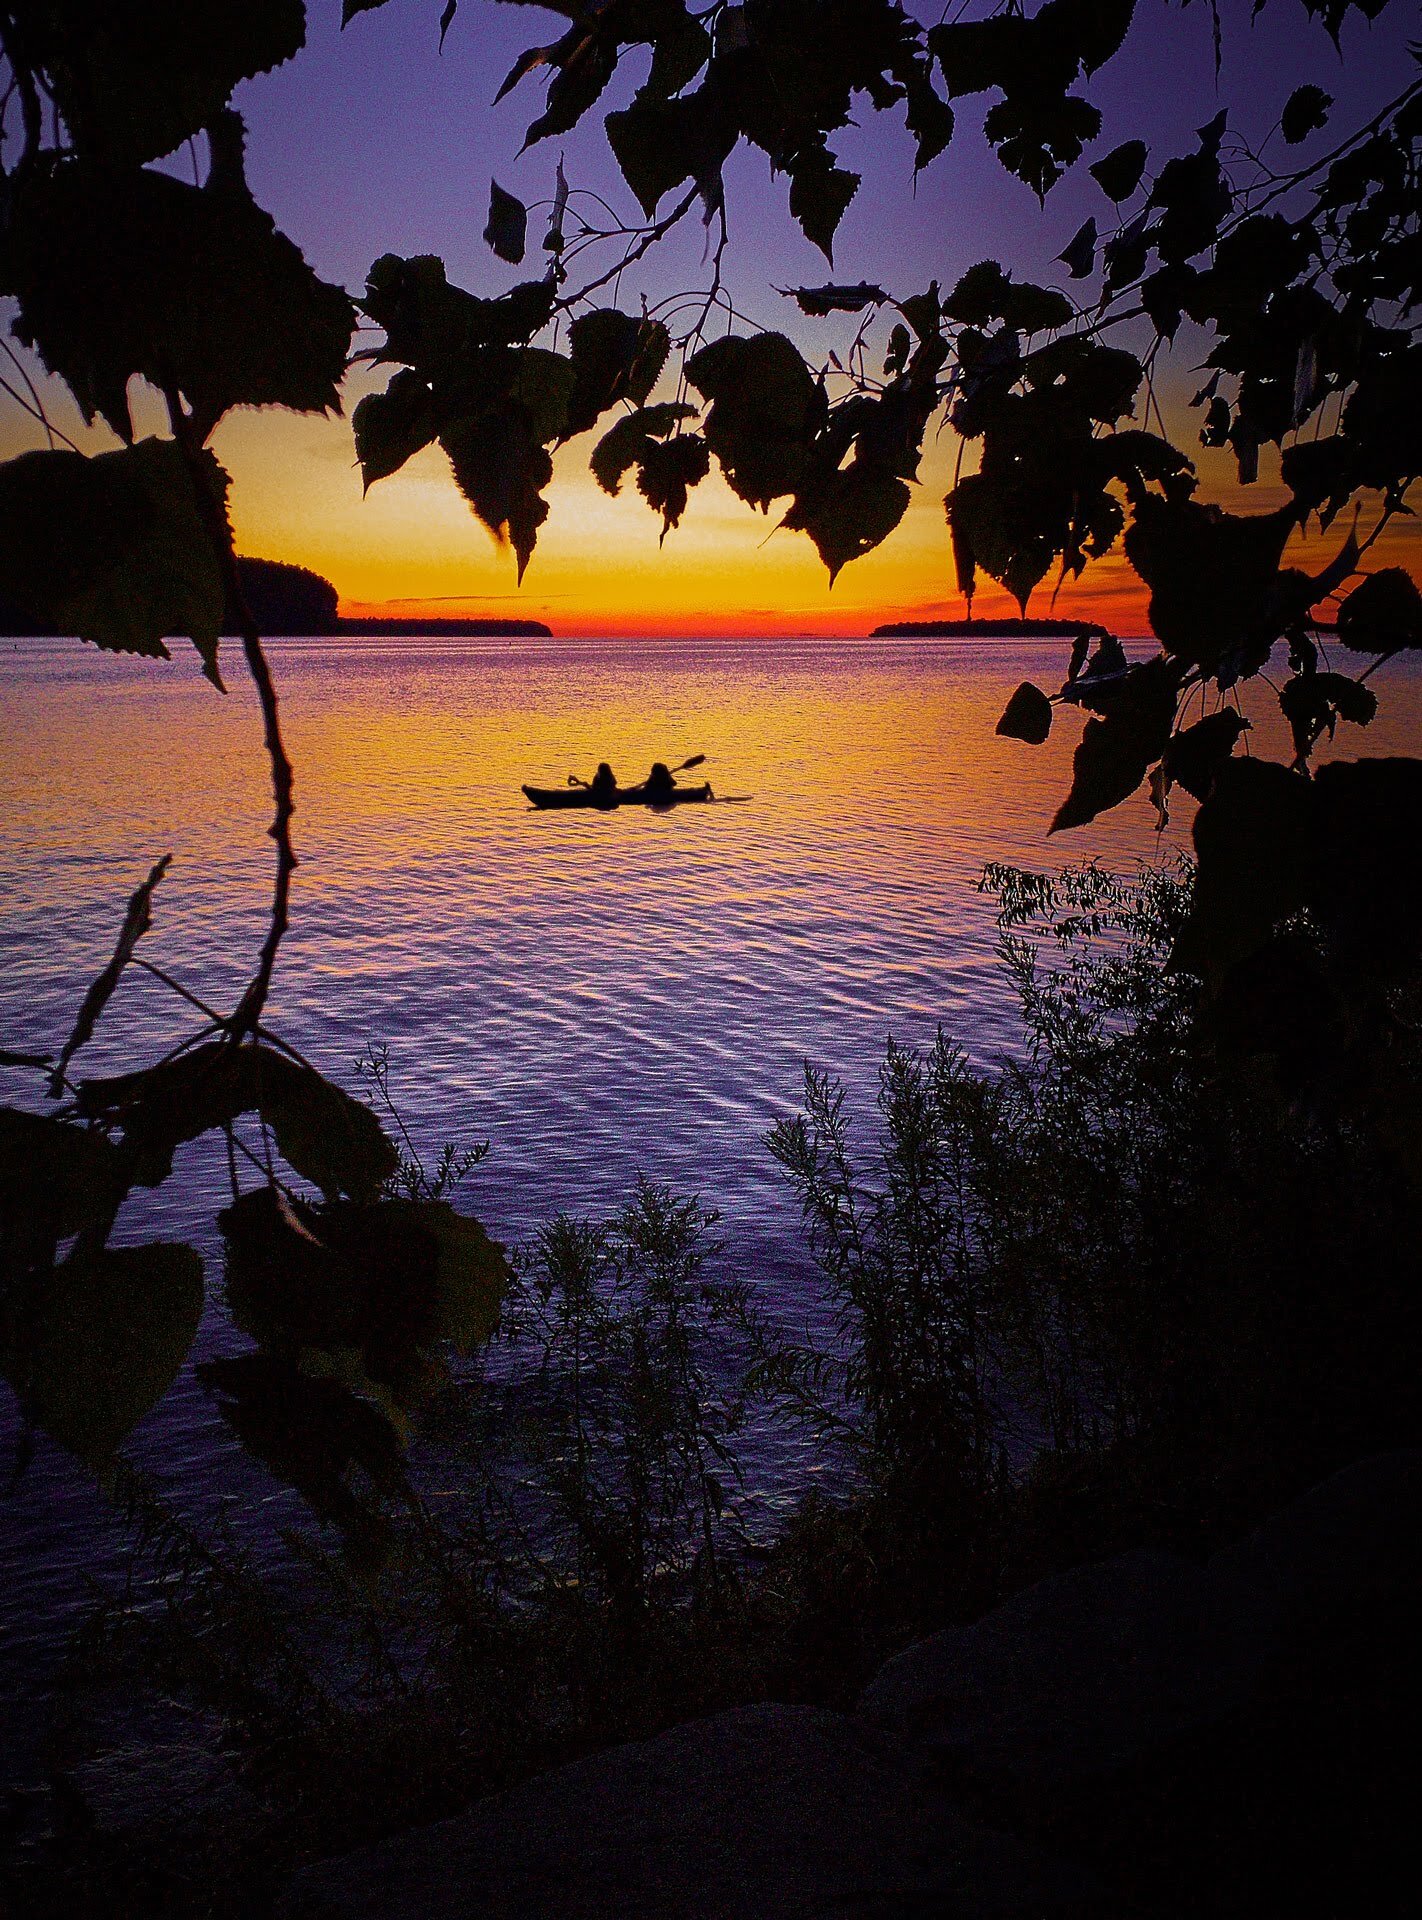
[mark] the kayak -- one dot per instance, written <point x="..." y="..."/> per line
<point x="623" y="797"/>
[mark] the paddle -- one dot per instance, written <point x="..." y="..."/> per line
<point x="685" y="767"/>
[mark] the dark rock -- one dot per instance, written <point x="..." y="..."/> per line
<point x="1335" y="1561"/>
<point x="762" y="1813"/>
<point x="1072" y="1680"/>
<point x="1230" y="1739"/>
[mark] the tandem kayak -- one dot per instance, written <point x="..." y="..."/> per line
<point x="623" y="797"/>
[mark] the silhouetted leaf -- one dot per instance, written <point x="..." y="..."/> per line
<point x="136" y="923"/>
<point x="56" y="1180"/>
<point x="1038" y="142"/>
<point x="615" y="357"/>
<point x="146" y="283"/>
<point x="1305" y="111"/>
<point x="1027" y="716"/>
<point x="818" y="301"/>
<point x="661" y="143"/>
<point x="820" y="192"/>
<point x="848" y="513"/>
<point x="114" y="549"/>
<point x="330" y="1139"/>
<point x="502" y="469"/>
<point x="98" y="1341"/>
<point x="1078" y="256"/>
<point x="765" y="410"/>
<point x="665" y="473"/>
<point x="368" y="1292"/>
<point x="623" y="445"/>
<point x="311" y="1432"/>
<point x="1119" y="174"/>
<point x="1383" y="614"/>
<point x="1117" y="750"/>
<point x="1193" y="198"/>
<point x="133" y="81"/>
<point x="1212" y="578"/>
<point x="900" y="346"/>
<point x="507" y="228"/>
<point x="929" y="120"/>
<point x="435" y="327"/>
<point x="1313" y="703"/>
<point x="391" y="427"/>
<point x="542" y="385"/>
<point x="1195" y="755"/>
<point x="471" y="1271"/>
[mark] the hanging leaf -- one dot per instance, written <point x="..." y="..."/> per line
<point x="438" y="328"/>
<point x="1117" y="750"/>
<point x="146" y="283"/>
<point x="848" y="513"/>
<point x="766" y="408"/>
<point x="507" y="229"/>
<point x="818" y="301"/>
<point x="136" y="922"/>
<point x="1027" y="716"/>
<point x="1119" y="174"/>
<point x="385" y="1284"/>
<point x="133" y="81"/>
<point x="626" y="443"/>
<point x="615" y="357"/>
<point x="56" y="1180"/>
<point x="1314" y="703"/>
<point x="330" y="1139"/>
<point x="542" y="386"/>
<point x="99" y="1340"/>
<point x="1305" y="111"/>
<point x="1038" y="142"/>
<point x="338" y="1450"/>
<point x="1212" y="578"/>
<point x="1383" y="614"/>
<point x="1195" y="755"/>
<point x="1078" y="256"/>
<point x="665" y="474"/>
<point x="501" y="470"/>
<point x="113" y="549"/>
<point x="820" y="193"/>
<point x="659" y="144"/>
<point x="391" y="427"/>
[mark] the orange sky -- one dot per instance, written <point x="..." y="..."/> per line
<point x="412" y="547"/>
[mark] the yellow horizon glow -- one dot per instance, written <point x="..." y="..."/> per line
<point x="412" y="549"/>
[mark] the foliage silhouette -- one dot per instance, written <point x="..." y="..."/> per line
<point x="1302" y="271"/>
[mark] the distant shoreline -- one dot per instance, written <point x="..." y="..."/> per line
<point x="445" y="629"/>
<point x="984" y="629"/>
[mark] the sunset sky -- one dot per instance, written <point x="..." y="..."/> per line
<point x="371" y="142"/>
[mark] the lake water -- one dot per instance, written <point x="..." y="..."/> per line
<point x="594" y="994"/>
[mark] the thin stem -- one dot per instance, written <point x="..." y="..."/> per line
<point x="248" y="1013"/>
<point x="648" y="240"/>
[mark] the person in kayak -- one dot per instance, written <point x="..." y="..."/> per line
<point x="603" y="785"/>
<point x="660" y="787"/>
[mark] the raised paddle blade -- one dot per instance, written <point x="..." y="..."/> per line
<point x="686" y="765"/>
